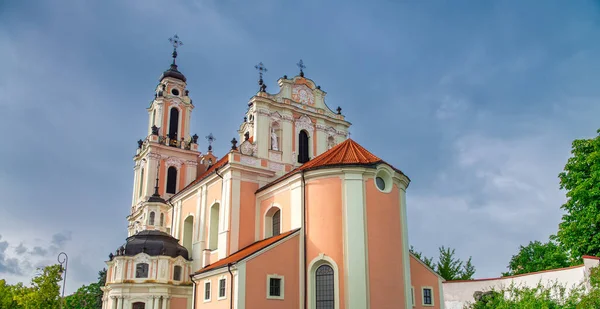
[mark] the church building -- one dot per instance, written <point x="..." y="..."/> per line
<point x="295" y="215"/>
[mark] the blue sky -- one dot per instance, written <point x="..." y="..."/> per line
<point x="476" y="101"/>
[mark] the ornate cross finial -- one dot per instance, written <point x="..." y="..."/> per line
<point x="176" y="43"/>
<point x="210" y="139"/>
<point x="261" y="68"/>
<point x="301" y="65"/>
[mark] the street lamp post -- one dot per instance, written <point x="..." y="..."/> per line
<point x="63" y="259"/>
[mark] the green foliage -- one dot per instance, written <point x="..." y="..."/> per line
<point x="448" y="266"/>
<point x="537" y="256"/>
<point x="42" y="294"/>
<point x="88" y="296"/>
<point x="541" y="296"/>
<point x="578" y="231"/>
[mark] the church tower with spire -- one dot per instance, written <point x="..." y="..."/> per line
<point x="167" y="158"/>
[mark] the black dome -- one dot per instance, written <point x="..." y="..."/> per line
<point x="154" y="243"/>
<point x="173" y="72"/>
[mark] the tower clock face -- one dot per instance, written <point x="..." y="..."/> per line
<point x="303" y="94"/>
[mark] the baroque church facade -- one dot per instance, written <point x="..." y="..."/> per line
<point x="295" y="215"/>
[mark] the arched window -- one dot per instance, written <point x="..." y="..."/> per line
<point x="172" y="180"/>
<point x="303" y="147"/>
<point x="141" y="188"/>
<point x="188" y="231"/>
<point x="138" y="305"/>
<point x="151" y="220"/>
<point x="177" y="273"/>
<point x="324" y="287"/>
<point x="162" y="219"/>
<point x="173" y="123"/>
<point x="276" y="223"/>
<point x="141" y="270"/>
<point x="213" y="234"/>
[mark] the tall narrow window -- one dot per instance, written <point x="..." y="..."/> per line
<point x="173" y="123"/>
<point x="153" y="117"/>
<point x="172" y="180"/>
<point x="303" y="147"/>
<point x="324" y="293"/>
<point x="177" y="273"/>
<point x="141" y="188"/>
<point x="221" y="288"/>
<point x="141" y="270"/>
<point x="213" y="233"/>
<point x="151" y="220"/>
<point x="188" y="231"/>
<point x="162" y="219"/>
<point x="276" y="223"/>
<point x="207" y="291"/>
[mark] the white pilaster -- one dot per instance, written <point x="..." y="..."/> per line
<point x="296" y="205"/>
<point x="287" y="138"/>
<point x="164" y="302"/>
<point x="240" y="286"/>
<point x="190" y="174"/>
<point x="224" y="213"/>
<point x="202" y="236"/>
<point x="405" y="251"/>
<point x="155" y="306"/>
<point x="357" y="294"/>
<point x="235" y="212"/>
<point x="120" y="301"/>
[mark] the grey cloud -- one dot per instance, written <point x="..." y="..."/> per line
<point x="60" y="239"/>
<point x="37" y="250"/>
<point x="8" y="265"/>
<point x="20" y="249"/>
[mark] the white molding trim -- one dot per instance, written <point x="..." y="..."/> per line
<point x="412" y="290"/>
<point x="268" y="220"/>
<point x="441" y="293"/>
<point x="423" y="288"/>
<point x="281" y="286"/>
<point x="219" y="297"/>
<point x="206" y="300"/>
<point x="312" y="267"/>
<point x="240" y="286"/>
<point x="405" y="248"/>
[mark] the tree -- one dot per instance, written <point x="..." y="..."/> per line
<point x="537" y="256"/>
<point x="44" y="292"/>
<point x="88" y="296"/>
<point x="448" y="266"/>
<point x="578" y="230"/>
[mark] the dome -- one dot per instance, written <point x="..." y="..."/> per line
<point x="153" y="243"/>
<point x="174" y="73"/>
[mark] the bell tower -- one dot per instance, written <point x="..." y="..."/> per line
<point x="166" y="160"/>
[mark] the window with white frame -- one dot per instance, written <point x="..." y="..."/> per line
<point x="273" y="222"/>
<point x="412" y="292"/>
<point x="207" y="290"/>
<point x="177" y="273"/>
<point x="275" y="287"/>
<point x="427" y="293"/>
<point x="222" y="288"/>
<point x="325" y="287"/>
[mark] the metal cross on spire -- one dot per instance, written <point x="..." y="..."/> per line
<point x="176" y="43"/>
<point x="261" y="68"/>
<point x="210" y="139"/>
<point x="301" y="65"/>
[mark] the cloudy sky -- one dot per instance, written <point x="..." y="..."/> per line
<point x="477" y="102"/>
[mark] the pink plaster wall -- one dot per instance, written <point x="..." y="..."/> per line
<point x="324" y="224"/>
<point x="421" y="276"/>
<point x="214" y="302"/>
<point x="282" y="199"/>
<point x="247" y="213"/>
<point x="281" y="260"/>
<point x="213" y="193"/>
<point x="178" y="303"/>
<point x="188" y="206"/>
<point x="384" y="237"/>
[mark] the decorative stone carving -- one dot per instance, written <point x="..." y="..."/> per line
<point x="247" y="148"/>
<point x="304" y="123"/>
<point x="248" y="160"/>
<point x="303" y="94"/>
<point x="274" y="140"/>
<point x="276" y="166"/>
<point x="173" y="161"/>
<point x="275" y="156"/>
<point x="275" y="116"/>
<point x="154" y="156"/>
<point x="191" y="163"/>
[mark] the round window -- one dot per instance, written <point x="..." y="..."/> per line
<point x="380" y="183"/>
<point x="175" y="91"/>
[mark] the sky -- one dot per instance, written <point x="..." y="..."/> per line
<point x="476" y="101"/>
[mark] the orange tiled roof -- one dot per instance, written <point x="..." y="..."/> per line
<point x="224" y="160"/>
<point x="347" y="152"/>
<point x="246" y="252"/>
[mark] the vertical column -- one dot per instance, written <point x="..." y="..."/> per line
<point x="355" y="242"/>
<point x="190" y="172"/>
<point x="286" y="141"/>
<point x="120" y="299"/>
<point x="113" y="302"/>
<point x="405" y="250"/>
<point x="224" y="212"/>
<point x="151" y="302"/>
<point x="165" y="299"/>
<point x="155" y="306"/>
<point x="150" y="174"/>
<point x="234" y="229"/>
<point x="202" y="225"/>
<point x="261" y="125"/>
<point x="134" y="194"/>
